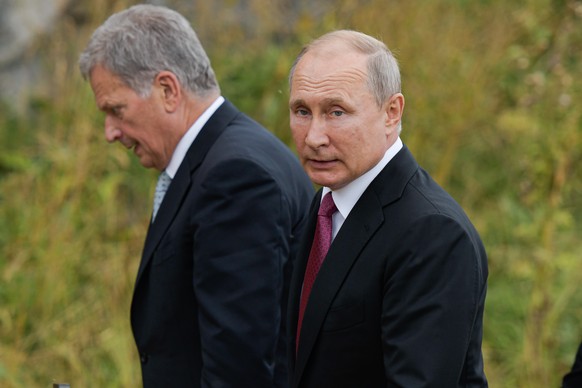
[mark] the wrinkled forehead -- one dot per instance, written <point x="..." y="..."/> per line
<point x="325" y="87"/>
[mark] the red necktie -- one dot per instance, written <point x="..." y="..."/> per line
<point x="321" y="243"/>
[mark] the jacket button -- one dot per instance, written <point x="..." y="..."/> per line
<point x="143" y="358"/>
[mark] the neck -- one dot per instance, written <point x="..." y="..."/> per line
<point x="195" y="106"/>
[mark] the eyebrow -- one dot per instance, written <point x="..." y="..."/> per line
<point x="108" y="106"/>
<point x="332" y="101"/>
<point x="325" y="102"/>
<point x="296" y="103"/>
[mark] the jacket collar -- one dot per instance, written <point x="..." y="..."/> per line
<point x="181" y="183"/>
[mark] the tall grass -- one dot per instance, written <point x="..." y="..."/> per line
<point x="72" y="215"/>
<point x="490" y="87"/>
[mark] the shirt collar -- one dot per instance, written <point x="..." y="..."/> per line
<point x="189" y="137"/>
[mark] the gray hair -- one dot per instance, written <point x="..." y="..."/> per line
<point x="383" y="72"/>
<point x="138" y="43"/>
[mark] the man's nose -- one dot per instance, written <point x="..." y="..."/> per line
<point x="317" y="133"/>
<point x="112" y="133"/>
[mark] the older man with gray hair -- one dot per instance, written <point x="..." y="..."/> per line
<point x="210" y="296"/>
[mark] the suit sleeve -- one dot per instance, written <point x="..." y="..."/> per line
<point x="240" y="248"/>
<point x="433" y="305"/>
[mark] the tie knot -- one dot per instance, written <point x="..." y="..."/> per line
<point x="327" y="207"/>
<point x="163" y="181"/>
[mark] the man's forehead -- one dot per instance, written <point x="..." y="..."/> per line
<point x="322" y="77"/>
<point x="330" y="61"/>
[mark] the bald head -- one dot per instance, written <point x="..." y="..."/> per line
<point x="383" y="78"/>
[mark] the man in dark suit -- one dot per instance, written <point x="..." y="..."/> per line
<point x="398" y="299"/>
<point x="209" y="302"/>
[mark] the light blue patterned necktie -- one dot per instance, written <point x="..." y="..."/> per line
<point x="164" y="181"/>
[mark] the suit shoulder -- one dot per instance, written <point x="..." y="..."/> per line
<point x="249" y="148"/>
<point x="425" y="190"/>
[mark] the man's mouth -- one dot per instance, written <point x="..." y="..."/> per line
<point x="321" y="163"/>
<point x="131" y="146"/>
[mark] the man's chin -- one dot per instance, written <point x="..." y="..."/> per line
<point x="334" y="181"/>
<point x="146" y="162"/>
<point x="322" y="180"/>
<point x="149" y="165"/>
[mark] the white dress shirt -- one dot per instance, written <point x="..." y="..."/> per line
<point x="189" y="137"/>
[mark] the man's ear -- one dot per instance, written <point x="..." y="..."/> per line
<point x="394" y="109"/>
<point x="169" y="88"/>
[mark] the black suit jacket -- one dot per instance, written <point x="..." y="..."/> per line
<point x="210" y="297"/>
<point x="399" y="299"/>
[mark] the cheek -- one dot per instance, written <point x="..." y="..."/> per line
<point x="371" y="150"/>
<point x="354" y="141"/>
<point x="358" y="147"/>
<point x="129" y="131"/>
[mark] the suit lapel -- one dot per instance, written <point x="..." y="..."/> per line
<point x="182" y="181"/>
<point x="363" y="221"/>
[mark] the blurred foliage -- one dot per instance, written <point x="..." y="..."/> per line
<point x="491" y="88"/>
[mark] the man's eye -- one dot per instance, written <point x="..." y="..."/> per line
<point x="116" y="111"/>
<point x="302" y="112"/>
<point x="337" y="113"/>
